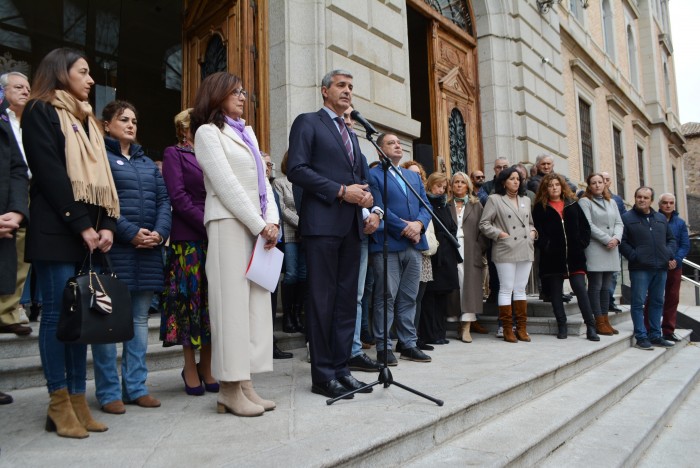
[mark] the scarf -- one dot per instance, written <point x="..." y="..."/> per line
<point x="462" y="199"/>
<point x="86" y="157"/>
<point x="238" y="126"/>
<point x="439" y="200"/>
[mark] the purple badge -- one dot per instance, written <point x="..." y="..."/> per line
<point x="75" y="128"/>
<point x="120" y="162"/>
<point x="4" y="117"/>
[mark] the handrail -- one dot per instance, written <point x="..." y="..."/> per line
<point x="696" y="281"/>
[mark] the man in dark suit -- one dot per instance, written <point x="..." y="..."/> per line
<point x="405" y="221"/>
<point x="326" y="162"/>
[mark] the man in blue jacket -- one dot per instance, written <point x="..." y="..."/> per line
<point x="649" y="246"/>
<point x="667" y="207"/>
<point x="405" y="221"/>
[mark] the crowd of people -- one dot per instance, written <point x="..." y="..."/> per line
<point x="371" y="255"/>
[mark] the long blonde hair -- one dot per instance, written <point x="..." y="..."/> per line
<point x="470" y="188"/>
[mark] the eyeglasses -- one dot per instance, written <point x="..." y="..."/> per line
<point x="240" y="92"/>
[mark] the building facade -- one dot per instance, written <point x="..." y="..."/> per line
<point x="461" y="82"/>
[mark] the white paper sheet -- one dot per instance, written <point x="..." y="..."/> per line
<point x="265" y="266"/>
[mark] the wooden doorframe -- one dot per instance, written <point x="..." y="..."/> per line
<point x="438" y="29"/>
<point x="243" y="27"/>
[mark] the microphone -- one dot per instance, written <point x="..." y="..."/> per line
<point x="355" y="115"/>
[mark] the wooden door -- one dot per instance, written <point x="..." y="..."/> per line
<point x="229" y="35"/>
<point x="456" y="120"/>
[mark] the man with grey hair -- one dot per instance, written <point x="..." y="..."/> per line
<point x="16" y="88"/>
<point x="667" y="207"/>
<point x="326" y="162"/>
<point x="545" y="165"/>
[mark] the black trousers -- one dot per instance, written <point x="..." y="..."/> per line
<point x="556" y="289"/>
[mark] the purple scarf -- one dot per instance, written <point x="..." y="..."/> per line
<point x="238" y="126"/>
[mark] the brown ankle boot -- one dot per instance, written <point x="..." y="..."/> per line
<point x="61" y="417"/>
<point x="601" y="327"/>
<point x="232" y="399"/>
<point x="521" y="320"/>
<point x="251" y="394"/>
<point x="82" y="412"/>
<point x="505" y="315"/>
<point x="607" y="322"/>
<point x="465" y="336"/>
<point x="479" y="328"/>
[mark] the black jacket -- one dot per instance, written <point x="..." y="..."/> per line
<point x="13" y="198"/>
<point x="562" y="243"/>
<point x="57" y="219"/>
<point x="647" y="241"/>
<point x="445" y="260"/>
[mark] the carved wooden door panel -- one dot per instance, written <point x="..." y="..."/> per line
<point x="228" y="35"/>
<point x="456" y="120"/>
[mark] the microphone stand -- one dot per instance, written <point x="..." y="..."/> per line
<point x="385" y="378"/>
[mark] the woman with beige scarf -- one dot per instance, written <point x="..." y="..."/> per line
<point x="74" y="206"/>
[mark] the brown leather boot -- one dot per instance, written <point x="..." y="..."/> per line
<point x="505" y="315"/>
<point x="82" y="412"/>
<point x="521" y="320"/>
<point x="251" y="394"/>
<point x="479" y="328"/>
<point x="601" y="327"/>
<point x="465" y="336"/>
<point x="61" y="417"/>
<point x="607" y="322"/>
<point x="231" y="399"/>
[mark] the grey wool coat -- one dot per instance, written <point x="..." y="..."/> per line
<point x="606" y="224"/>
<point x="474" y="248"/>
<point x="501" y="215"/>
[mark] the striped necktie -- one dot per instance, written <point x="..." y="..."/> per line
<point x="346" y="138"/>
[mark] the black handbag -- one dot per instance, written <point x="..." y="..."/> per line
<point x="96" y="307"/>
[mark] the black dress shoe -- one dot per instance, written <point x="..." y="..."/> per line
<point x="279" y="354"/>
<point x="331" y="389"/>
<point x="441" y="341"/>
<point x="424" y="346"/>
<point x="5" y="399"/>
<point x="351" y="383"/>
<point x="363" y="363"/>
<point x="391" y="359"/>
<point x="614" y="308"/>
<point x="415" y="354"/>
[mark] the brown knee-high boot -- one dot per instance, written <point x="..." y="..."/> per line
<point x="521" y="320"/>
<point x="82" y="412"/>
<point x="505" y="315"/>
<point x="232" y="399"/>
<point x="61" y="417"/>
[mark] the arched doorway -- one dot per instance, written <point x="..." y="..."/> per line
<point x="444" y="94"/>
<point x="229" y="35"/>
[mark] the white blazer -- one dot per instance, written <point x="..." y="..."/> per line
<point x="231" y="178"/>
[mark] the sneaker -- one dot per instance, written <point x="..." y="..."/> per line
<point x="672" y="337"/>
<point x="390" y="358"/>
<point x="415" y="354"/>
<point x="499" y="332"/>
<point x="363" y="363"/>
<point x="661" y="343"/>
<point x="23" y="319"/>
<point x="644" y="345"/>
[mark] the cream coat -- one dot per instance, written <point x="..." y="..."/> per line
<point x="501" y="215"/>
<point x="239" y="310"/>
<point x="606" y="224"/>
<point x="473" y="248"/>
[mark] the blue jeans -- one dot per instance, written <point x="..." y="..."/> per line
<point x="134" y="371"/>
<point x="653" y="284"/>
<point x="356" y="343"/>
<point x="294" y="263"/>
<point x="27" y="293"/>
<point x="64" y="364"/>
<point x="403" y="282"/>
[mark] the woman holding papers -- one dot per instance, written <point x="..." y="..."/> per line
<point x="239" y="208"/>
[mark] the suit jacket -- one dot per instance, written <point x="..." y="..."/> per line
<point x="500" y="215"/>
<point x="402" y="205"/>
<point x="185" y="182"/>
<point x="231" y="178"/>
<point x="14" y="197"/>
<point x="318" y="163"/>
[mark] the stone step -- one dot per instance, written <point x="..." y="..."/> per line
<point x="632" y="425"/>
<point x="524" y="433"/>
<point x="20" y="366"/>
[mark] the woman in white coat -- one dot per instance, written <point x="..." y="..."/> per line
<point x="602" y="256"/>
<point x="239" y="206"/>
<point x="507" y="221"/>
